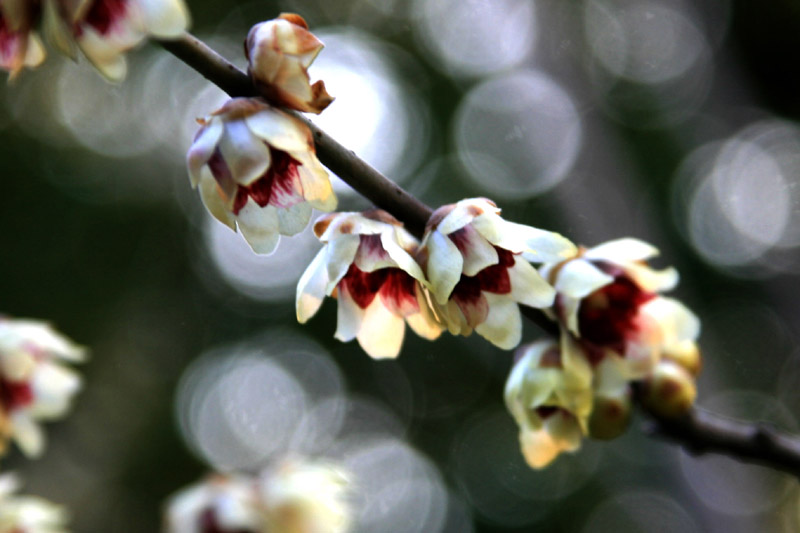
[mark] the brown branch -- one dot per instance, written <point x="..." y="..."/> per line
<point x="698" y="432"/>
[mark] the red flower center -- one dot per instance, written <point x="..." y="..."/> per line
<point x="14" y="394"/>
<point x="279" y="186"/>
<point x="104" y="13"/>
<point x="210" y="524"/>
<point x="395" y="286"/>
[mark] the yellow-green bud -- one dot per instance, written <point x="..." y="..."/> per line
<point x="610" y="416"/>
<point x="670" y="390"/>
<point x="686" y="354"/>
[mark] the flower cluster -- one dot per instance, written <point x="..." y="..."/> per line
<point x="295" y="497"/>
<point x="103" y="30"/>
<point x="616" y="330"/>
<point x="27" y="514"/>
<point x="467" y="274"/>
<point x="35" y="384"/>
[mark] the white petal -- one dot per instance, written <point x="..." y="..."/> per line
<point x="165" y="18"/>
<point x="577" y="370"/>
<point x="528" y="287"/>
<point x="203" y="148"/>
<point x="53" y="387"/>
<point x="401" y="257"/>
<point x="652" y="280"/>
<point x="540" y="246"/>
<point x="456" y="219"/>
<point x="349" y="317"/>
<point x="444" y="266"/>
<point x="341" y="252"/>
<point x="17" y="364"/>
<point x="579" y="278"/>
<point x="317" y="188"/>
<point x="424" y="322"/>
<point x="381" y="333"/>
<point x="279" y="130"/>
<point x="311" y="288"/>
<point x="259" y="226"/>
<point x="625" y="249"/>
<point x="292" y="220"/>
<point x="503" y="324"/>
<point x="611" y="377"/>
<point x="210" y="194"/>
<point x="246" y="155"/>
<point x="477" y="252"/>
<point x="27" y="434"/>
<point x="676" y="321"/>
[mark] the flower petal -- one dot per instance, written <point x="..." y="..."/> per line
<point x="540" y="246"/>
<point x="27" y="434"/>
<point x="625" y="249"/>
<point x="165" y="18"/>
<point x="528" y="287"/>
<point x="652" y="280"/>
<point x="381" y="332"/>
<point x="424" y="322"/>
<point x="311" y="289"/>
<point x="579" y="278"/>
<point x="444" y="266"/>
<point x="259" y="226"/>
<point x="280" y="130"/>
<point x="503" y="324"/>
<point x="476" y="251"/>
<point x="202" y="148"/>
<point x="294" y="219"/>
<point x="246" y="155"/>
<point x="349" y="317"/>
<point x="212" y="199"/>
<point x="341" y="252"/>
<point x="401" y="257"/>
<point x="676" y="321"/>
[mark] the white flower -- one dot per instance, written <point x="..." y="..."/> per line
<point x="27" y="514"/>
<point x="367" y="264"/>
<point x="105" y="29"/>
<point x="476" y="271"/>
<point x="20" y="46"/>
<point x="34" y="383"/>
<point x="256" y="168"/>
<point x="279" y="52"/>
<point x="549" y="394"/>
<point x="221" y="503"/>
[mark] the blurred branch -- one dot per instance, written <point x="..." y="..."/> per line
<point x="698" y="432"/>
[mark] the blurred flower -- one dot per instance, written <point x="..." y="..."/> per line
<point x="256" y="168"/>
<point x="27" y="514"/>
<point x="367" y="264"/>
<point x="472" y="258"/>
<point x="20" y="46"/>
<point x="279" y="52"/>
<point x="34" y="384"/>
<point x="670" y="390"/>
<point x="549" y="395"/>
<point x="105" y="29"/>
<point x="295" y="497"/>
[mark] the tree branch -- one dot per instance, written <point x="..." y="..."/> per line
<point x="698" y="432"/>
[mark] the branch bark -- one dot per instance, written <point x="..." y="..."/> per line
<point x="698" y="432"/>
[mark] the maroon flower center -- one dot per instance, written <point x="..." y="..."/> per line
<point x="15" y="394"/>
<point x="103" y="14"/>
<point x="395" y="286"/>
<point x="210" y="524"/>
<point x="9" y="40"/>
<point x="280" y="185"/>
<point x="607" y="317"/>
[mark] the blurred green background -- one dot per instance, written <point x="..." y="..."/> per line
<point x="668" y="120"/>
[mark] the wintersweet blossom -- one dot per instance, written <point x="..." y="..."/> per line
<point x="27" y="514"/>
<point x="34" y="383"/>
<point x="20" y="45"/>
<point x="474" y="263"/>
<point x="367" y="265"/>
<point x="608" y="298"/>
<point x="256" y="168"/>
<point x="218" y="504"/>
<point x="279" y="52"/>
<point x="105" y="29"/>
<point x="549" y="394"/>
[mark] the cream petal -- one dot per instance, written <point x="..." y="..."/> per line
<point x="209" y="193"/>
<point x="34" y="53"/>
<point x="577" y="370"/>
<point x="259" y="226"/>
<point x="280" y="130"/>
<point x="340" y="254"/>
<point x="444" y="266"/>
<point x="27" y="434"/>
<point x="476" y="251"/>
<point x="105" y="51"/>
<point x="620" y="250"/>
<point x="652" y="280"/>
<point x="424" y="322"/>
<point x="401" y="258"/>
<point x="311" y="288"/>
<point x="246" y="155"/>
<point x="611" y="377"/>
<point x="317" y="188"/>
<point x="203" y="148"/>
<point x="528" y="287"/>
<point x="539" y="246"/>
<point x="56" y="30"/>
<point x="579" y="278"/>
<point x="165" y="18"/>
<point x="349" y="317"/>
<point x="381" y="332"/>
<point x="53" y="387"/>
<point x="541" y="447"/>
<point x="456" y="219"/>
<point x="569" y="310"/>
<point x="503" y="324"/>
<point x="17" y="364"/>
<point x="292" y="220"/>
<point x="676" y="321"/>
<point x="565" y="430"/>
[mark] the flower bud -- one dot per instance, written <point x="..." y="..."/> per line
<point x="670" y="390"/>
<point x="686" y="354"/>
<point x="610" y="416"/>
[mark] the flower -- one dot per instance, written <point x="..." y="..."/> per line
<point x="34" y="383"/>
<point x="256" y="168"/>
<point x="305" y="497"/>
<point x="219" y="504"/>
<point x="367" y="264"/>
<point x="105" y="29"/>
<point x="20" y="46"/>
<point x="549" y="395"/>
<point x="608" y="297"/>
<point x="27" y="514"/>
<point x="476" y="271"/>
<point x="279" y="52"/>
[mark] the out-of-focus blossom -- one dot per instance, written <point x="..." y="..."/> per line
<point x="549" y="394"/>
<point x="608" y="298"/>
<point x="279" y="52"/>
<point x="295" y="497"/>
<point x="670" y="390"/>
<point x="474" y="263"/>
<point x="35" y="384"/>
<point x="256" y="168"/>
<point x="220" y="504"/>
<point x="27" y="514"/>
<point x="367" y="264"/>
<point x="303" y="497"/>
<point x="105" y="29"/>
<point x="20" y="46"/>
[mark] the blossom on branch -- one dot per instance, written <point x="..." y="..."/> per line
<point x="474" y="263"/>
<point x="257" y="169"/>
<point x="279" y="52"/>
<point x="27" y="514"/>
<point x="367" y="264"/>
<point x="221" y="503"/>
<point x="34" y="383"/>
<point x="20" y="46"/>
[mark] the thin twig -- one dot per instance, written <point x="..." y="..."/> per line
<point x="698" y="432"/>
